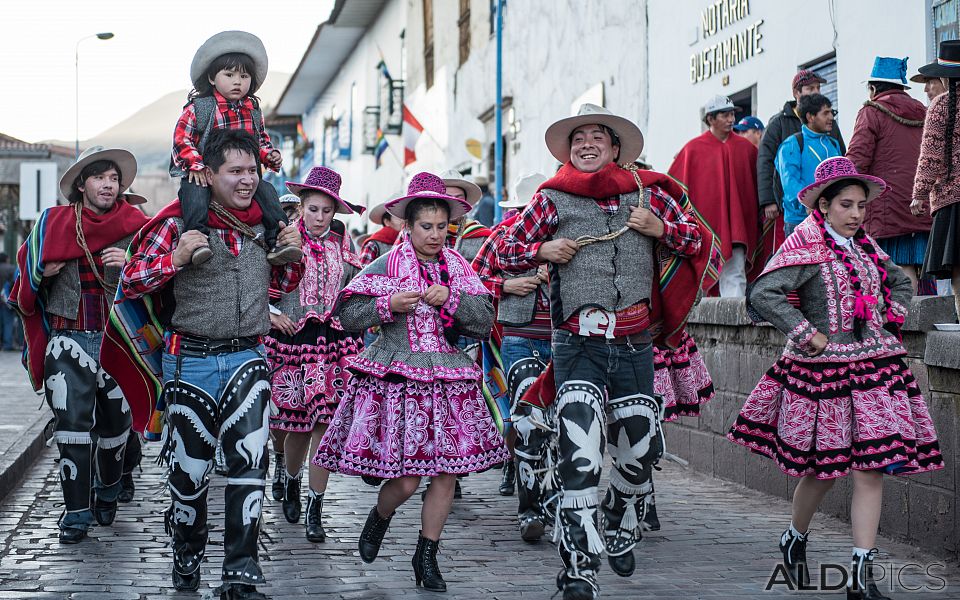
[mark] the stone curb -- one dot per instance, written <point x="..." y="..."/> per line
<point x="27" y="448"/>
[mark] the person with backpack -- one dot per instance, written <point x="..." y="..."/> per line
<point x="779" y="127"/>
<point x="801" y="153"/>
<point x="226" y="72"/>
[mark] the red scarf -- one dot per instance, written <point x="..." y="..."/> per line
<point x="60" y="234"/>
<point x="609" y="181"/>
<point x="251" y="216"/>
<point x="385" y="235"/>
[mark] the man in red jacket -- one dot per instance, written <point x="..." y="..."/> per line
<point x="886" y="142"/>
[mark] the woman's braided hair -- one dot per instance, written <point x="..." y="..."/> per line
<point x="863" y="303"/>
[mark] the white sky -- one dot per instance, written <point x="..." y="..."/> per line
<point x="148" y="57"/>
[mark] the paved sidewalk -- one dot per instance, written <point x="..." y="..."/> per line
<point x="23" y="414"/>
<point x="718" y="541"/>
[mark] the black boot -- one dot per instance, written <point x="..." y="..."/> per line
<point x="186" y="583"/>
<point x="72" y="535"/>
<point x="372" y="535"/>
<point x="239" y="591"/>
<point x="650" y="520"/>
<point x="531" y="526"/>
<point x="457" y="492"/>
<point x="279" y="476"/>
<point x="127" y="488"/>
<point x="292" y="506"/>
<point x="794" y="548"/>
<point x="315" y="532"/>
<point x="862" y="586"/>
<point x="425" y="567"/>
<point x="578" y="582"/>
<point x="104" y="512"/>
<point x="508" y="481"/>
<point x="132" y="455"/>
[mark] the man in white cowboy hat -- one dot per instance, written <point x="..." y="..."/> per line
<point x="73" y="257"/>
<point x="215" y="373"/>
<point x="466" y="234"/>
<point x="720" y="172"/>
<point x="595" y="225"/>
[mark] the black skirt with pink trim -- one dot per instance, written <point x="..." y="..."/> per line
<point x="681" y="377"/>
<point x="824" y="419"/>
<point x="310" y="374"/>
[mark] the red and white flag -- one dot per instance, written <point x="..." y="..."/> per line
<point x="411" y="133"/>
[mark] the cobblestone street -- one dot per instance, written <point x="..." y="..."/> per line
<point x="718" y="541"/>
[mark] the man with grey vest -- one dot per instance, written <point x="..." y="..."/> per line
<point x="215" y="373"/>
<point x="67" y="277"/>
<point x="596" y="225"/>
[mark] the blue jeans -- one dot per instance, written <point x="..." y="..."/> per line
<point x="7" y="321"/>
<point x="788" y="228"/>
<point x="513" y="348"/>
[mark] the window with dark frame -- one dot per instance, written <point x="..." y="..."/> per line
<point x="464" y="23"/>
<point x="826" y="67"/>
<point x="428" y="41"/>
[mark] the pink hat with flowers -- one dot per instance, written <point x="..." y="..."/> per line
<point x="428" y="186"/>
<point x="327" y="181"/>
<point x="833" y="170"/>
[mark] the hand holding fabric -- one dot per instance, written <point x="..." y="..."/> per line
<point x="436" y="295"/>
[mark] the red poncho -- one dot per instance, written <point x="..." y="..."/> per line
<point x="721" y="181"/>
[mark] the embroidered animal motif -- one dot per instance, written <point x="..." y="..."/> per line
<point x="252" y="445"/>
<point x="588" y="445"/>
<point x="196" y="468"/>
<point x="526" y="475"/>
<point x="68" y="469"/>
<point x="183" y="513"/>
<point x="252" y="505"/>
<point x="627" y="455"/>
<point x="61" y="343"/>
<point x="57" y="384"/>
<point x="114" y="393"/>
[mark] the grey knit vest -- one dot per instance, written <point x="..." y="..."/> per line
<point x="225" y="297"/>
<point x="517" y="311"/>
<point x="63" y="295"/>
<point x="612" y="275"/>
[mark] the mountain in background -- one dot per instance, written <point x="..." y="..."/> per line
<point x="148" y="133"/>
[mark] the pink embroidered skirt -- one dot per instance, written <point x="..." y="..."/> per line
<point x="394" y="427"/>
<point x="824" y="419"/>
<point x="680" y="376"/>
<point x="311" y="375"/>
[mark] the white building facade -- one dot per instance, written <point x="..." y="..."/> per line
<point x="749" y="50"/>
<point x="654" y="61"/>
<point x="342" y="94"/>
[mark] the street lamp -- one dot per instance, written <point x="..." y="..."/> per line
<point x="76" y="71"/>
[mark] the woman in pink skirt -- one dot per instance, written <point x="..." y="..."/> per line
<point x="840" y="400"/>
<point x="414" y="406"/>
<point x="308" y="347"/>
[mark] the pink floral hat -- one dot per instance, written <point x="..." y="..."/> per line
<point x="428" y="185"/>
<point x="833" y="170"/>
<point x="327" y="181"/>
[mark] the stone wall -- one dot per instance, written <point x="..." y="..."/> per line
<point x="922" y="509"/>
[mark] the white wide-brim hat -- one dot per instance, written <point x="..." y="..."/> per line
<point x="227" y="42"/>
<point x="124" y="159"/>
<point x="376" y="213"/>
<point x="523" y="190"/>
<point x="453" y="178"/>
<point x="557" y="136"/>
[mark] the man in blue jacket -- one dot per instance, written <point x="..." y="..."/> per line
<point x="801" y="153"/>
